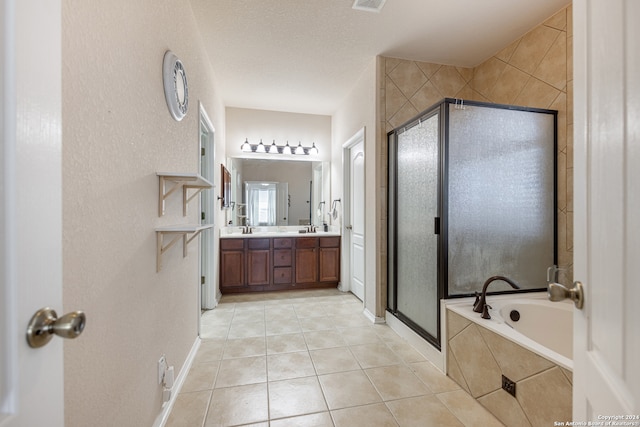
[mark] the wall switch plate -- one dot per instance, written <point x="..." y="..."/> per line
<point x="162" y="367"/>
<point x="509" y="386"/>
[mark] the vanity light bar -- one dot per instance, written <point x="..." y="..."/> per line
<point x="278" y="149"/>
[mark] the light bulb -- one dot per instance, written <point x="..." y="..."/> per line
<point x="246" y="147"/>
<point x="286" y="149"/>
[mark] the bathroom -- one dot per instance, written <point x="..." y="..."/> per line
<point x="118" y="136"/>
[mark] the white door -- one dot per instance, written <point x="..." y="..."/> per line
<point x="607" y="209"/>
<point x="355" y="218"/>
<point x="31" y="380"/>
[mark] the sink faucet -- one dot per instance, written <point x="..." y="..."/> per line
<point x="480" y="306"/>
<point x="247" y="229"/>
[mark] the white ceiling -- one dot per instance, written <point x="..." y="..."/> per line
<point x="305" y="56"/>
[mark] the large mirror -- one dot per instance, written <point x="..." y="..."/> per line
<point x="267" y="192"/>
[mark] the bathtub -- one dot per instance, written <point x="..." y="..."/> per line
<point x="542" y="326"/>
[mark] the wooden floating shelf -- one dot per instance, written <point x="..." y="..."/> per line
<point x="177" y="231"/>
<point x="185" y="181"/>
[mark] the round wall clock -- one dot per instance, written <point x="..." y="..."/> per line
<point x="176" y="91"/>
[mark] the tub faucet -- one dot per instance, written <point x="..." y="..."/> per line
<point x="480" y="305"/>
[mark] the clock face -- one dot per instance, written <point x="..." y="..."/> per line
<point x="176" y="91"/>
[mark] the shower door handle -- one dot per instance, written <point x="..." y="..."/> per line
<point x="436" y="225"/>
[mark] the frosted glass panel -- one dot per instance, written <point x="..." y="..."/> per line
<point x="500" y="197"/>
<point x="417" y="206"/>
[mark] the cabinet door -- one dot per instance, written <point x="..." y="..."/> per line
<point x="258" y="267"/>
<point x="329" y="264"/>
<point x="231" y="269"/>
<point x="306" y="265"/>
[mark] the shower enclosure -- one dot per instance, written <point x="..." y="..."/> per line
<point x="472" y="194"/>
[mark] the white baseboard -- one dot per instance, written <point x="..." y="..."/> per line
<point x="372" y="317"/>
<point x="162" y="418"/>
<point x="420" y="344"/>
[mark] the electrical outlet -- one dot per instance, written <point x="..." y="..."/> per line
<point x="509" y="386"/>
<point x="162" y="367"/>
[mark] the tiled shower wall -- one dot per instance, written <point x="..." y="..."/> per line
<point x="534" y="71"/>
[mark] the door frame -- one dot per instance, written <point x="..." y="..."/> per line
<point x="345" y="282"/>
<point x="207" y="299"/>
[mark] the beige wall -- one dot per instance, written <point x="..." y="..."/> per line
<point x="357" y="111"/>
<point x="533" y="71"/>
<point x="245" y="123"/>
<point x="117" y="133"/>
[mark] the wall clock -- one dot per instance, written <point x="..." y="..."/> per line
<point x="176" y="91"/>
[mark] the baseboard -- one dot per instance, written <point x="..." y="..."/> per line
<point x="374" y="319"/>
<point x="162" y="418"/>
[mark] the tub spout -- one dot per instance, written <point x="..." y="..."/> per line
<point x="479" y="305"/>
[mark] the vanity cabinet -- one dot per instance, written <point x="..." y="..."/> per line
<point x="329" y="259"/>
<point x="258" y="262"/>
<point x="306" y="260"/>
<point x="232" y="263"/>
<point x="282" y="261"/>
<point x="267" y="264"/>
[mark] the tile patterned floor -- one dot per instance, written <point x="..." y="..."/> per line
<point x="310" y="358"/>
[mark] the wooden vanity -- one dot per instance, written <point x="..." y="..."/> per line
<point x="262" y="263"/>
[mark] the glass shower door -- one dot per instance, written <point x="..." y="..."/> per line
<point x="416" y="207"/>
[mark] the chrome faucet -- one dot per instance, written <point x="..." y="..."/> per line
<point x="480" y="305"/>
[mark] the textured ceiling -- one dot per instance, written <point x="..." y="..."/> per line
<point x="304" y="56"/>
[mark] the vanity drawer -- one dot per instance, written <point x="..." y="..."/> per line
<point x="232" y="244"/>
<point x="281" y="243"/>
<point x="281" y="275"/>
<point x="330" y="242"/>
<point x="282" y="257"/>
<point x="259" y="243"/>
<point x="306" y="242"/>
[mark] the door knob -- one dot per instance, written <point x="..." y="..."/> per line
<point x="348" y="227"/>
<point x="558" y="292"/>
<point x="45" y="323"/>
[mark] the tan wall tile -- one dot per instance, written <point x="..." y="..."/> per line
<point x="455" y="324"/>
<point x="394" y="99"/>
<point x="428" y="68"/>
<point x="408" y="77"/>
<point x="479" y="368"/>
<point x="537" y="94"/>
<point x="404" y="114"/>
<point x="506" y="53"/>
<point x="558" y="21"/>
<point x="486" y="75"/>
<point x="533" y="47"/>
<point x="511" y="83"/>
<point x="448" y="81"/>
<point x="545" y="397"/>
<point x="553" y="67"/>
<point x="515" y="362"/>
<point x="466" y="73"/>
<point x="426" y="96"/>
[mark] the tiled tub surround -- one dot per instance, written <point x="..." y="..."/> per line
<point x="481" y="351"/>
<point x="311" y="358"/>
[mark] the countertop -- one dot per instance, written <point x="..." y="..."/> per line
<point x="267" y="234"/>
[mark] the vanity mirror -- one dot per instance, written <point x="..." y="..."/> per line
<point x="278" y="192"/>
